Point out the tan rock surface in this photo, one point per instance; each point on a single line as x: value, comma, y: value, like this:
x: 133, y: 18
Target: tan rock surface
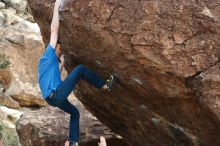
x: 5, y: 78
x: 8, y: 101
x: 28, y: 100
x: 22, y: 45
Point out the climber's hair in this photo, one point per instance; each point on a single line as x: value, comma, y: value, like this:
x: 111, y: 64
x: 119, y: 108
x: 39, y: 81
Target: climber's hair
x: 59, y: 42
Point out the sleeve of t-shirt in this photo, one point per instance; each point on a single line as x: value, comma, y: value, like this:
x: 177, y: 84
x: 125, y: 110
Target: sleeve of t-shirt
x: 50, y: 54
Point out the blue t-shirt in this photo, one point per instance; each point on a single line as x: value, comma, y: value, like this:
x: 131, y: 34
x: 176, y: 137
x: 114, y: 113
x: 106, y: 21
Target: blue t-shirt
x: 48, y: 72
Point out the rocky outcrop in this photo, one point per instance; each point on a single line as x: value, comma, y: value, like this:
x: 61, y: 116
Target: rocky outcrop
x: 24, y: 51
x: 20, y: 5
x: 20, y: 48
x: 9, y: 116
x: 28, y: 100
x: 165, y: 55
x: 5, y: 75
x: 49, y: 126
x: 8, y: 101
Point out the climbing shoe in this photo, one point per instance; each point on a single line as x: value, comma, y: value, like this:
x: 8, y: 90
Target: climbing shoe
x: 109, y: 82
x: 72, y: 143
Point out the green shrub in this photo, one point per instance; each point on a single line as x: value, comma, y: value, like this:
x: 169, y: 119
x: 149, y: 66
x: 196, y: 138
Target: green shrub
x: 4, y: 62
x: 8, y: 135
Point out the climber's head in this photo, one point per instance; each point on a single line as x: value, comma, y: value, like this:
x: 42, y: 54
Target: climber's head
x: 58, y: 49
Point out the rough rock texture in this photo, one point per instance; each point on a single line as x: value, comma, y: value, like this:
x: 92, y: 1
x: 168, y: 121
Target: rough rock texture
x: 5, y: 78
x: 20, y: 5
x: 8, y: 101
x: 165, y: 55
x: 21, y: 46
x: 9, y: 116
x: 16, y: 99
x: 29, y: 100
x: 207, y: 85
x: 49, y: 127
x: 23, y: 50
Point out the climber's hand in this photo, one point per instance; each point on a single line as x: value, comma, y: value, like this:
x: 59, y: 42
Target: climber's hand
x: 61, y: 65
x: 102, y: 141
x: 58, y: 2
x: 62, y: 59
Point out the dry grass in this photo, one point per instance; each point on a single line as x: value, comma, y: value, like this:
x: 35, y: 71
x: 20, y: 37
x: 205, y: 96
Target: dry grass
x: 8, y: 135
x: 4, y: 62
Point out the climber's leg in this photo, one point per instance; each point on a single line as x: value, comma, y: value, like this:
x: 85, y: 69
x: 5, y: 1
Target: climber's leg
x: 74, y: 120
x: 80, y: 72
x: 93, y: 78
x: 67, y: 86
x: 84, y: 73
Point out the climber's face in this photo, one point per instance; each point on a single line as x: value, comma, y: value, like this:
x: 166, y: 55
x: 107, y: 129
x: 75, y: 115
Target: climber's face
x: 58, y: 50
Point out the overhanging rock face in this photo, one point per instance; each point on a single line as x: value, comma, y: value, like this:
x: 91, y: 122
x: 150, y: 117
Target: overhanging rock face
x: 165, y: 55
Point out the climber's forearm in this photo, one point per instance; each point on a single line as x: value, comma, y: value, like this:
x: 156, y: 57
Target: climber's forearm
x: 55, y: 24
x: 55, y: 21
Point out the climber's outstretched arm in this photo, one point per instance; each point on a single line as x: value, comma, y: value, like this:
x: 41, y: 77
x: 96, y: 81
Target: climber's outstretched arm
x: 55, y: 24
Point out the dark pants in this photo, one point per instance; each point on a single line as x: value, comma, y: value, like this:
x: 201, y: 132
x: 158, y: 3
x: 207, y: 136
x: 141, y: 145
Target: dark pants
x: 62, y: 92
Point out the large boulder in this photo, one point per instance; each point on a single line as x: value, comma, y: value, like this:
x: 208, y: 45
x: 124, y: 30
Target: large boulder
x: 164, y: 54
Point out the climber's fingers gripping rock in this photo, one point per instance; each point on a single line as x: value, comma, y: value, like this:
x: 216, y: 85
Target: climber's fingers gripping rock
x: 102, y: 141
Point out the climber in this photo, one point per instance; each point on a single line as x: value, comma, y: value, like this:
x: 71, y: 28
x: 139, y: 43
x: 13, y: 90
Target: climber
x: 55, y: 91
